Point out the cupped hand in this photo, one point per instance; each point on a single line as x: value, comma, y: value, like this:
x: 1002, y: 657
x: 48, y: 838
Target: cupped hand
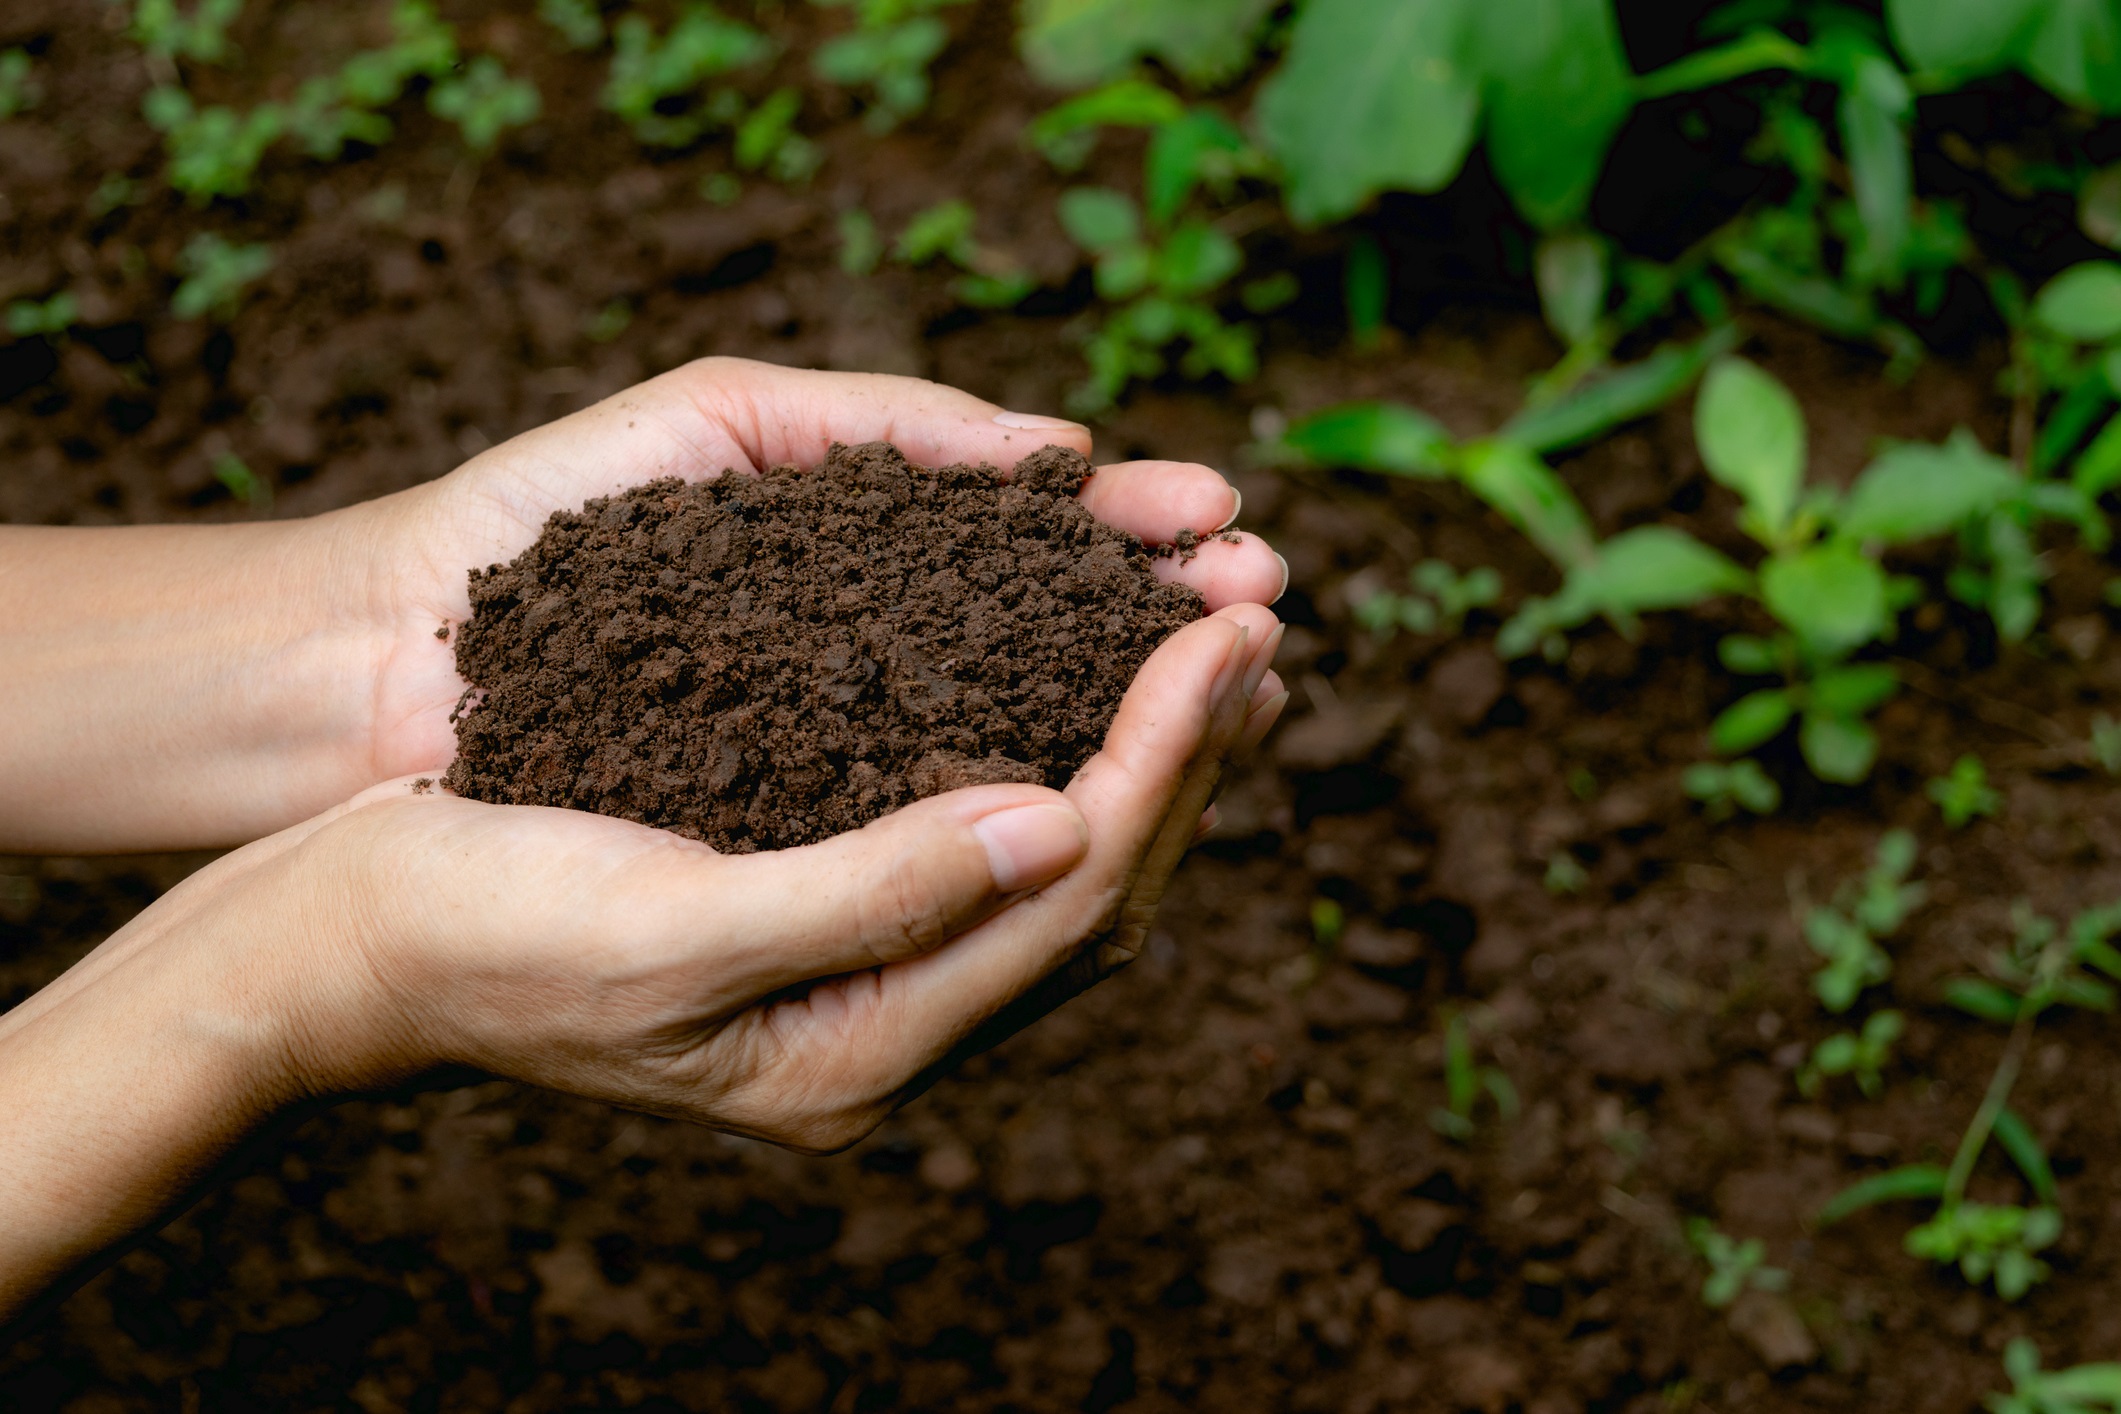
x: 693, y: 423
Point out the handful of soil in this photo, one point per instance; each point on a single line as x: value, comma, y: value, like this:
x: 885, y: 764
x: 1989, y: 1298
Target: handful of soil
x: 764, y: 661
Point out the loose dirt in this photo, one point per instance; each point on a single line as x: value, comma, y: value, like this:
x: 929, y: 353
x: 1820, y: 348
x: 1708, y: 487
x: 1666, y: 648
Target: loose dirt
x: 760, y: 662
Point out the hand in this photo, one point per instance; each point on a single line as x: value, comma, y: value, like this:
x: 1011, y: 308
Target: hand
x: 693, y: 423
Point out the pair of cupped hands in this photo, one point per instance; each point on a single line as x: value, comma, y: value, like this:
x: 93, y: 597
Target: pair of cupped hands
x: 793, y: 996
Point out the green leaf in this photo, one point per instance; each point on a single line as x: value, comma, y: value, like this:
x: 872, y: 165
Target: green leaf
x: 1571, y: 271
x: 1072, y: 43
x: 1967, y: 37
x: 1751, y: 53
x: 1617, y: 398
x: 1525, y: 491
x: 1977, y: 997
x: 1196, y: 259
x: 2017, y: 1140
x: 1853, y: 690
x: 2083, y: 303
x: 2076, y: 52
x: 1367, y: 289
x: 1177, y: 158
x: 1838, y: 749
x: 1124, y: 272
x: 1559, y: 87
x: 1830, y: 596
x: 1126, y: 103
x: 1752, y: 439
x: 1099, y: 219
x: 1381, y: 437
x: 1751, y: 720
x: 1873, y: 115
x: 1747, y: 653
x: 1914, y: 491
x: 1374, y: 94
x: 1908, y: 1181
x: 1654, y: 567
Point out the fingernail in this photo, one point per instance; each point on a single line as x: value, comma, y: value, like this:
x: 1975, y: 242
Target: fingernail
x: 1033, y: 422
x: 1031, y: 844
x: 1232, y: 675
x: 1237, y: 506
x: 1262, y: 721
x: 1256, y: 673
x: 1284, y: 581
x: 1209, y: 819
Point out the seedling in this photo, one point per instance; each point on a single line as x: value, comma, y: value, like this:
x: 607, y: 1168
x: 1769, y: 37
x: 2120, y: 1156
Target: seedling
x: 1328, y: 921
x: 1465, y: 1081
x: 1989, y: 1241
x: 1724, y: 788
x: 991, y: 279
x: 19, y: 89
x: 2044, y: 966
x: 578, y: 22
x: 1846, y: 933
x: 1863, y: 1055
x: 215, y: 151
x: 1735, y: 1267
x: 484, y: 102
x: 243, y: 483
x: 216, y: 274
x: 2106, y: 743
x: 1564, y: 874
x: 610, y: 321
x: 2081, y: 1389
x: 164, y: 30
x: 861, y: 246
x: 1964, y: 795
x: 767, y: 139
x: 47, y: 319
x: 653, y: 79
x: 889, y: 51
x: 1439, y: 603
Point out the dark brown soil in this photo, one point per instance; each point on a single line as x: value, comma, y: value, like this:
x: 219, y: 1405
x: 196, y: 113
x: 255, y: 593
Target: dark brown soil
x: 761, y: 662
x: 1210, y: 1184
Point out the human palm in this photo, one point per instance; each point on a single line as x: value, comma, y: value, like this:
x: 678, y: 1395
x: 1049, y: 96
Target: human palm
x: 692, y: 423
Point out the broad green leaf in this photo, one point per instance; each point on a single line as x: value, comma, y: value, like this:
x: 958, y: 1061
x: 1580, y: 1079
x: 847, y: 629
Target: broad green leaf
x: 1745, y: 653
x: 1894, y: 1185
x: 1619, y: 397
x: 1381, y: 437
x: 1525, y: 491
x: 1853, y: 690
x: 2016, y: 1139
x: 1873, y: 114
x: 1071, y: 43
x: 1196, y: 259
x: 1373, y: 94
x: 1914, y: 491
x: 1830, y: 596
x: 1838, y: 749
x: 1655, y: 567
x: 1559, y: 87
x: 1752, y: 439
x: 1978, y: 997
x: 1099, y: 219
x: 2076, y: 52
x: 1570, y: 268
x: 1124, y: 103
x: 1124, y: 272
x: 1175, y: 163
x: 1751, y: 720
x: 2082, y: 303
x: 1966, y: 37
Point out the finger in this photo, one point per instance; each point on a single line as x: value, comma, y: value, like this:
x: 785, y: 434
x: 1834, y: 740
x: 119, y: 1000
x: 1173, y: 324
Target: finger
x: 895, y: 889
x: 1154, y: 500
x: 1266, y: 710
x: 1209, y: 819
x: 1227, y: 572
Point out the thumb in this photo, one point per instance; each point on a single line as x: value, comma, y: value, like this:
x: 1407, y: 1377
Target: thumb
x: 898, y: 888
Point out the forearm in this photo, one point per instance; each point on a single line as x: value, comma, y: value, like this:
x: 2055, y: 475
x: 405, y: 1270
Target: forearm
x: 172, y: 686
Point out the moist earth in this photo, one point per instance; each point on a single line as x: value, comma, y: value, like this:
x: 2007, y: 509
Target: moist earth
x: 764, y: 661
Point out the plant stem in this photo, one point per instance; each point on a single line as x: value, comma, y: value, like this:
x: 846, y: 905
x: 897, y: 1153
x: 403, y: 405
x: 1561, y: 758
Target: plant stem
x: 1984, y: 1122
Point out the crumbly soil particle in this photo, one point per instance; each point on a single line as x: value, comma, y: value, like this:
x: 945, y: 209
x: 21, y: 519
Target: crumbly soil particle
x: 765, y: 661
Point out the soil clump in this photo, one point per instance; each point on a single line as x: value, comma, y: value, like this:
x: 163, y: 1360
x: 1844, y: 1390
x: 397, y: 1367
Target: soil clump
x: 765, y: 661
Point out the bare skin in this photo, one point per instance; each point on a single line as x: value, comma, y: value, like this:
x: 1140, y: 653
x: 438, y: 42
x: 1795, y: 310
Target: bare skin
x: 283, y: 684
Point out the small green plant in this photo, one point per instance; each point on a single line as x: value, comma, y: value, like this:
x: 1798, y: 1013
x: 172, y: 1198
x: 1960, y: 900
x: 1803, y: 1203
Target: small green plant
x: 767, y: 140
x: 2044, y: 966
x: 1863, y: 1055
x: 243, y: 483
x: 2081, y: 1389
x: 610, y: 321
x: 213, y: 151
x: 1465, y: 1081
x: 47, y: 319
x: 164, y: 30
x: 889, y: 51
x: 579, y: 23
x: 2106, y: 743
x: 1564, y: 874
x: 19, y: 89
x: 653, y: 79
x: 861, y: 244
x: 216, y: 273
x: 1328, y: 922
x: 1735, y: 1267
x: 991, y: 280
x: 1990, y: 1242
x: 1439, y: 603
x: 1723, y: 788
x: 1846, y: 933
x: 484, y: 102
x: 1964, y: 795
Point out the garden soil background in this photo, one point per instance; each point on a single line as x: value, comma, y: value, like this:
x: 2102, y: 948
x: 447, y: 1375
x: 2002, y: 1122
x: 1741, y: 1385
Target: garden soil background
x: 1210, y: 1184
